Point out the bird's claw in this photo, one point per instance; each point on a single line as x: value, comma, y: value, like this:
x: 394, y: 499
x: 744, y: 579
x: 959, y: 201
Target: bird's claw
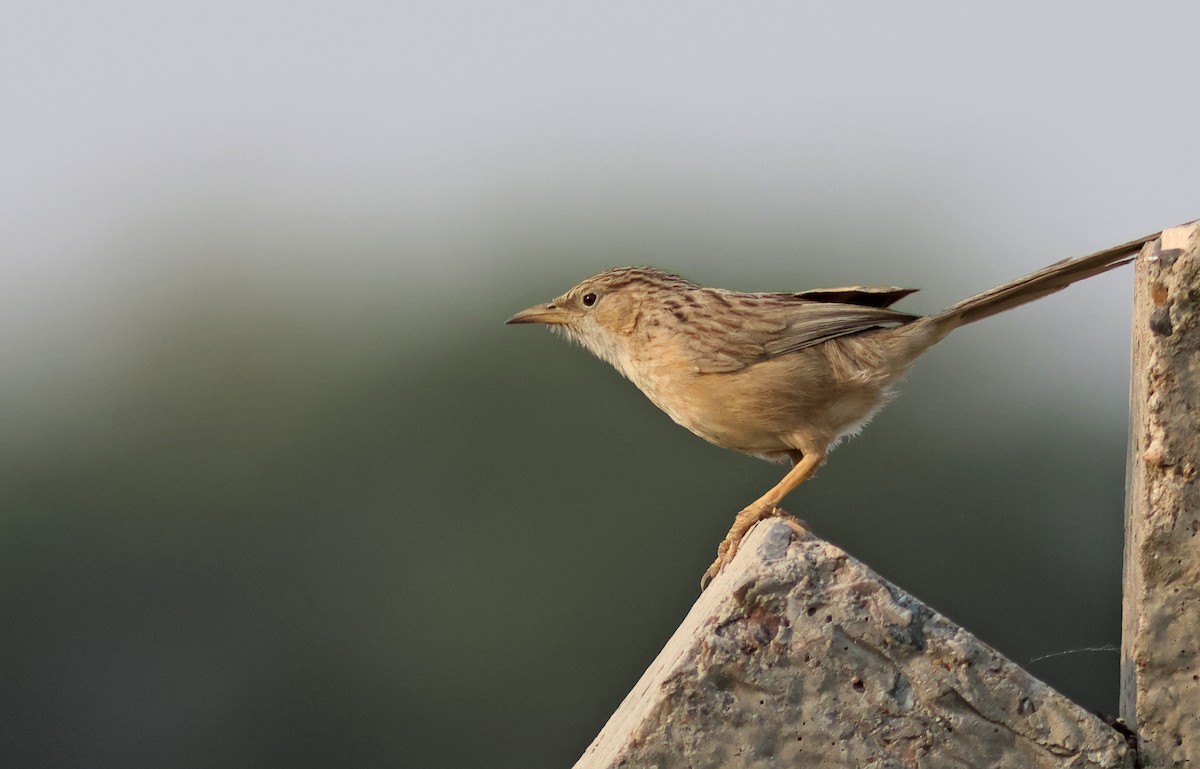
x: 729, y: 546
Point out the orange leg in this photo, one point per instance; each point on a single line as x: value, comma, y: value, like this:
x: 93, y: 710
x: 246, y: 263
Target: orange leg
x: 766, y: 506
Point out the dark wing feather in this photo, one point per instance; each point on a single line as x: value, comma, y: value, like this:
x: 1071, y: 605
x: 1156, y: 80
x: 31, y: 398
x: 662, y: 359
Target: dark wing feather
x: 864, y: 296
x: 732, y: 331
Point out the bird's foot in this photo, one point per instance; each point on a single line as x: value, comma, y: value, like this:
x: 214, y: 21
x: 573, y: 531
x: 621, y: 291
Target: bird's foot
x: 742, y: 524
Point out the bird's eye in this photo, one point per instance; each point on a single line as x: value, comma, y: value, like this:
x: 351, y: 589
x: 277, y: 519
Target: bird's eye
x: 589, y: 300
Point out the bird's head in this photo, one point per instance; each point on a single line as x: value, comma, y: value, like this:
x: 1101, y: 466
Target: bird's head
x: 603, y: 311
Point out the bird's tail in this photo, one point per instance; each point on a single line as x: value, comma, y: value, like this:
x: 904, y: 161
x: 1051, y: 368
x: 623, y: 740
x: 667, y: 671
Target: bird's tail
x: 1034, y: 286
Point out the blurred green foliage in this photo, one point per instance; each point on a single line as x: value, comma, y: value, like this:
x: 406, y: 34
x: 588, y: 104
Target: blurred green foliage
x: 299, y: 530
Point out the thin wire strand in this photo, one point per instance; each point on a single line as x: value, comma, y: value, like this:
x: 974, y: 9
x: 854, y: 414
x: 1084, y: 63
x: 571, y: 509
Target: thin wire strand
x: 1105, y: 648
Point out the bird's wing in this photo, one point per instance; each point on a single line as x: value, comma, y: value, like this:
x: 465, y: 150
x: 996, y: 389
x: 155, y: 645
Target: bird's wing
x: 814, y: 322
x: 753, y: 327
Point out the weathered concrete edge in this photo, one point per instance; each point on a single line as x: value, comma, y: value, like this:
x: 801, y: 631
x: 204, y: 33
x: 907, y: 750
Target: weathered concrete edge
x: 1160, y: 644
x: 952, y: 667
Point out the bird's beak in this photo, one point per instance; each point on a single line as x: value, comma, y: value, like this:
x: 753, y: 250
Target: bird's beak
x: 542, y: 313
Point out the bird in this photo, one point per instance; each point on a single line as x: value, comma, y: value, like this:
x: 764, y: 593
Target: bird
x: 781, y: 376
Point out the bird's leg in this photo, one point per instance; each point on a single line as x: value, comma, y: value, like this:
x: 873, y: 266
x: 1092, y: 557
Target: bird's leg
x: 766, y: 506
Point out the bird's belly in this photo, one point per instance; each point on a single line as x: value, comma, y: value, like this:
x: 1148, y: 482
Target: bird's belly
x: 722, y: 428
x: 766, y: 410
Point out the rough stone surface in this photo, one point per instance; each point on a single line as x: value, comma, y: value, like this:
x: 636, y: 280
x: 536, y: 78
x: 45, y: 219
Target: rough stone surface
x: 1160, y: 669
x: 800, y: 656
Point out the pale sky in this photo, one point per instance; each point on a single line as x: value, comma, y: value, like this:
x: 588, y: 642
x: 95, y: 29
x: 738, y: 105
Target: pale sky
x: 1029, y: 132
